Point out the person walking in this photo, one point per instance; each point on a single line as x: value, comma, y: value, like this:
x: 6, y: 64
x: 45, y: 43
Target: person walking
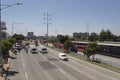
x: 26, y: 50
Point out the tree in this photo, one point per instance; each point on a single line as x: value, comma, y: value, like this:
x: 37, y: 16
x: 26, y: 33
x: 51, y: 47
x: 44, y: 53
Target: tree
x: 108, y: 35
x: 91, y: 49
x: 67, y: 45
x: 93, y: 36
x: 18, y: 37
x: 102, y: 35
x: 12, y: 40
x: 6, y: 45
x: 62, y: 38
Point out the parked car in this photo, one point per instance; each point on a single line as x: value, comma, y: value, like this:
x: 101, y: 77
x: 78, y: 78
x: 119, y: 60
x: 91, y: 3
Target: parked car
x: 63, y: 56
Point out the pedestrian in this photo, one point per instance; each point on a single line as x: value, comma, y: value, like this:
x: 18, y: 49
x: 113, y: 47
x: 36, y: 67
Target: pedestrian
x: 26, y: 50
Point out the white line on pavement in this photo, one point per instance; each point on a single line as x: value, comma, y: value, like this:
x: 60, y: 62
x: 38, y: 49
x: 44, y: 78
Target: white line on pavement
x: 26, y: 75
x: 62, y: 71
x: 23, y: 65
x: 90, y: 76
x: 50, y: 78
x: 94, y: 71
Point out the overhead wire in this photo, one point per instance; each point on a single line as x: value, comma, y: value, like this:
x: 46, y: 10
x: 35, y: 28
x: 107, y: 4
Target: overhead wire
x: 63, y: 6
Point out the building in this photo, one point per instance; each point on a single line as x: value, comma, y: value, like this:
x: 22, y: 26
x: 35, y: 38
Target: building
x: 30, y: 34
x: 3, y: 28
x: 106, y: 48
x: 80, y: 35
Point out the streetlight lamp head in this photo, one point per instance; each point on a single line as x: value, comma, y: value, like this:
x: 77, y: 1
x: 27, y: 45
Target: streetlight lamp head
x: 19, y: 3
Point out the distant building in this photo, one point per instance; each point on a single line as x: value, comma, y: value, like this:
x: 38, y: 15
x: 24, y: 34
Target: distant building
x: 30, y: 34
x: 80, y: 35
x: 3, y: 28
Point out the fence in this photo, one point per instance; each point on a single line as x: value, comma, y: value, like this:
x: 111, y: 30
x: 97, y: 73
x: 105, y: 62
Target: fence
x: 113, y: 64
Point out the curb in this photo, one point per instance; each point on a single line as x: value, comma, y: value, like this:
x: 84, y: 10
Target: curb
x: 8, y: 65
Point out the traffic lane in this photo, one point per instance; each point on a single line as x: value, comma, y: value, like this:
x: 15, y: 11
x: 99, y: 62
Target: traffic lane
x: 91, y: 69
x: 71, y: 70
x: 53, y: 70
x: 33, y: 68
x: 94, y: 68
x: 16, y: 71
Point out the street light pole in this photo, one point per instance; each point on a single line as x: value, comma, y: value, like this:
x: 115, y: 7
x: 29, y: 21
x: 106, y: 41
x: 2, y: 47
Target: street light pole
x: 1, y: 56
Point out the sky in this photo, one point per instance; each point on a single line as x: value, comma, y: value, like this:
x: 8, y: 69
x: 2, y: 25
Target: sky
x: 65, y: 16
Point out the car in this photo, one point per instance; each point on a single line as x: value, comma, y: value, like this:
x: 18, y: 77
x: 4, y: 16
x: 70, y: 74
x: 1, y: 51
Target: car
x: 33, y: 49
x: 63, y: 56
x: 42, y: 49
x: 18, y: 47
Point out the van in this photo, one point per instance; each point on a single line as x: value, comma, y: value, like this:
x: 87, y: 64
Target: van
x: 33, y: 49
x: 42, y: 49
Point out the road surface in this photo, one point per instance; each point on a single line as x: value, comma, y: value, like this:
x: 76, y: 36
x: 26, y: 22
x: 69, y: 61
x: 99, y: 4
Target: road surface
x: 48, y: 67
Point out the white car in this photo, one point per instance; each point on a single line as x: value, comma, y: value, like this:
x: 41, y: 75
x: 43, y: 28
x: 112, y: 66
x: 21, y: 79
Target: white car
x: 33, y: 49
x: 63, y: 56
x: 42, y: 49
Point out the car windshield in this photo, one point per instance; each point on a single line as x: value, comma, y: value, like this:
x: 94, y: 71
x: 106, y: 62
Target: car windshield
x: 63, y: 55
x: 44, y: 49
x: 33, y: 49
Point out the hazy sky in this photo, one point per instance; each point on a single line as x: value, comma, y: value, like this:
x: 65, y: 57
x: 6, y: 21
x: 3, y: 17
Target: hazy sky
x: 67, y: 16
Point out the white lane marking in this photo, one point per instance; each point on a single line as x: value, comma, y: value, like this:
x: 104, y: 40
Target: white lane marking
x: 95, y: 65
x: 22, y: 59
x: 48, y: 76
x: 62, y: 71
x: 23, y: 65
x: 90, y: 76
x: 91, y: 69
x: 26, y: 74
x: 94, y: 71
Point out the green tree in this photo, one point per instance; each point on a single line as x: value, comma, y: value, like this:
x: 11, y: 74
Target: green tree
x: 62, y: 38
x: 91, y: 50
x: 18, y: 37
x: 102, y: 35
x: 108, y: 35
x: 12, y: 40
x: 93, y: 37
x: 6, y: 45
x: 67, y: 45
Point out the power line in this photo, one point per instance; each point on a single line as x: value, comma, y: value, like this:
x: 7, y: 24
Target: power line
x: 74, y: 7
x: 65, y: 5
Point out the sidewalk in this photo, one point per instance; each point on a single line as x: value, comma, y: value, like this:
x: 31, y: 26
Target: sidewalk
x: 6, y: 66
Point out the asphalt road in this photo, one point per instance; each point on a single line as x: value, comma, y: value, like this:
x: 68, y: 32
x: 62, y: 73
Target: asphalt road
x: 48, y: 67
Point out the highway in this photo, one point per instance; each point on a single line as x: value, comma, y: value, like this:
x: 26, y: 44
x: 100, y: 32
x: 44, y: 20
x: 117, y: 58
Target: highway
x: 48, y: 67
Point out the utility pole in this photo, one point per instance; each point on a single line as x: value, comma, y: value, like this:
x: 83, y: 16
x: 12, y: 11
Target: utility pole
x: 1, y: 57
x: 47, y: 24
x: 88, y: 31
